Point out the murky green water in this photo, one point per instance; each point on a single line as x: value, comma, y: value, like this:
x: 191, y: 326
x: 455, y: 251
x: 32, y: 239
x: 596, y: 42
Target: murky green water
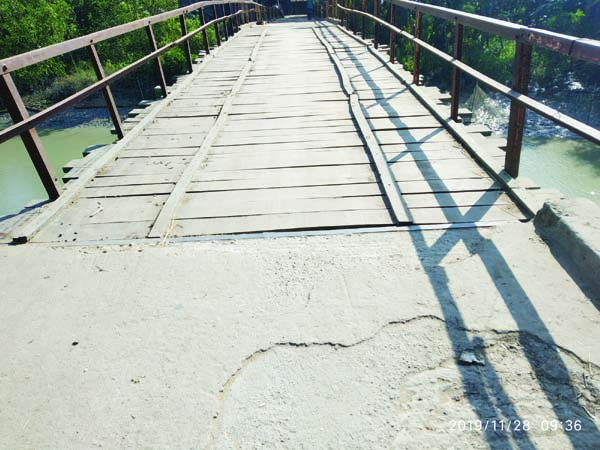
x: 19, y: 183
x: 570, y: 165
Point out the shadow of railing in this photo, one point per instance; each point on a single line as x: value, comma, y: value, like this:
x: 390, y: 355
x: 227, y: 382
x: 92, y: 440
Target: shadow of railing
x: 483, y: 388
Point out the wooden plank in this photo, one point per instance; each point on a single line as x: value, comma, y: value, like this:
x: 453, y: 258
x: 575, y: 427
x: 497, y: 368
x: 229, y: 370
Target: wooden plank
x: 296, y: 176
x: 194, y: 206
x: 287, y: 159
x: 167, y: 141
x: 454, y: 199
x: 449, y: 185
x: 93, y: 232
x: 145, y: 166
x: 468, y: 214
x: 403, y: 123
x: 277, y: 133
x: 319, y: 139
x: 442, y: 169
x: 413, y: 135
x: 128, y: 190
x: 280, y: 222
x: 133, y: 180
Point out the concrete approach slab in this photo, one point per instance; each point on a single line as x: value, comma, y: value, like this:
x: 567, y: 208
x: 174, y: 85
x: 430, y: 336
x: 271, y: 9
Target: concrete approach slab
x: 465, y: 339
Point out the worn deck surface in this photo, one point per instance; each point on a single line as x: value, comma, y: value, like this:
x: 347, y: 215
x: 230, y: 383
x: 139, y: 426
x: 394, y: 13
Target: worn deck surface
x: 261, y: 137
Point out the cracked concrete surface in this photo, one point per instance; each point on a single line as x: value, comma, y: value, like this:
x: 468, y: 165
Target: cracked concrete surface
x: 317, y: 342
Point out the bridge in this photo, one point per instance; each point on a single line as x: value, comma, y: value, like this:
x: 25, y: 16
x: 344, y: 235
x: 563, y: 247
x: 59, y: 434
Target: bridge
x: 290, y: 126
x: 420, y: 249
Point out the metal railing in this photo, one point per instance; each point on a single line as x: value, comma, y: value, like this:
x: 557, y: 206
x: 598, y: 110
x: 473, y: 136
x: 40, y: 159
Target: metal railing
x: 525, y: 38
x: 237, y: 12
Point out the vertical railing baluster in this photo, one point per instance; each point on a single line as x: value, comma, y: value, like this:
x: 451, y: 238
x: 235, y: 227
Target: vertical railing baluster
x: 16, y: 108
x: 458, y: 47
x: 376, y: 25
x: 392, y: 34
x: 355, y: 17
x: 186, y: 44
x: 204, y: 34
x: 106, y: 92
x: 159, y: 69
x: 417, y: 54
x: 363, y: 29
x: 214, y: 10
x: 518, y: 113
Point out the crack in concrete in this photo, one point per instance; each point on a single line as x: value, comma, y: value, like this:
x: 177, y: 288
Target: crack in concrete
x: 216, y: 426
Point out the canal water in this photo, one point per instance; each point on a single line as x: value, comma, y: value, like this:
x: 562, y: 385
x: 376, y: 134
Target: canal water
x: 64, y: 140
x: 551, y: 157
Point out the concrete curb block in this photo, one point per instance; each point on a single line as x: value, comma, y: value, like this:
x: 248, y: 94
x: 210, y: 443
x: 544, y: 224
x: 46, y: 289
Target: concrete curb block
x: 572, y: 228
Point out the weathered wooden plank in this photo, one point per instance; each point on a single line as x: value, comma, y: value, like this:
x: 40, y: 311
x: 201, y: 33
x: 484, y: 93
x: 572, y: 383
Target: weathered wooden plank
x: 133, y: 180
x: 300, y: 123
x: 194, y: 206
x: 167, y: 141
x: 280, y: 222
x: 295, y: 176
x: 145, y: 166
x: 439, y: 169
x: 287, y: 159
x: 319, y: 139
x: 277, y: 133
x: 467, y: 214
x: 70, y: 233
x: 403, y: 123
x: 414, y: 135
x: 448, y: 185
x: 128, y: 190
x: 454, y: 199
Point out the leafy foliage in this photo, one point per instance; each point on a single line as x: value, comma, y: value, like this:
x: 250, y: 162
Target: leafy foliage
x: 26, y: 25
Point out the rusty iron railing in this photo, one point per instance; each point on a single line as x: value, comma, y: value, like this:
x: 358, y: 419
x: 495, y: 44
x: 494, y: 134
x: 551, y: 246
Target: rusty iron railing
x: 525, y: 38
x: 240, y: 11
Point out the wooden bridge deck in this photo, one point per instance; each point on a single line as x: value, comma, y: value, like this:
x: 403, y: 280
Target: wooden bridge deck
x: 263, y: 137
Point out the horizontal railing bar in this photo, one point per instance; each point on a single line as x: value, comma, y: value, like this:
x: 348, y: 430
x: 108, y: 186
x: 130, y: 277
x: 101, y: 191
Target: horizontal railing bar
x: 584, y: 49
x: 40, y: 117
x: 16, y: 62
x: 565, y: 121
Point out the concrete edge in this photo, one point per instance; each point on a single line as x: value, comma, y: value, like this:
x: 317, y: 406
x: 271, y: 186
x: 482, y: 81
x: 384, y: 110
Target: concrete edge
x: 571, y: 228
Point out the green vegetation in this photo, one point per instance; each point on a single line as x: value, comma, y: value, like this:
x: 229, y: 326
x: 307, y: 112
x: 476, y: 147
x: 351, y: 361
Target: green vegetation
x: 493, y: 55
x: 27, y: 25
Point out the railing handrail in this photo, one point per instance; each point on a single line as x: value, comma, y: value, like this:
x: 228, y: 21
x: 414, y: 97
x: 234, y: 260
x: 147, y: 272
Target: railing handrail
x: 576, y: 47
x: 22, y: 60
x: 518, y: 92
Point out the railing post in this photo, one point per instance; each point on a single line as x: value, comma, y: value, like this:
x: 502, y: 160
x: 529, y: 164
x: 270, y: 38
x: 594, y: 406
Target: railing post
x: 417, y: 55
x: 31, y: 140
x: 186, y: 44
x: 224, y: 23
x: 204, y: 35
x: 458, y: 46
x: 518, y: 113
x: 363, y: 29
x: 392, y: 34
x: 376, y: 25
x: 153, y: 48
x: 235, y: 22
x: 228, y: 23
x: 106, y: 92
x: 214, y: 9
x: 354, y: 17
